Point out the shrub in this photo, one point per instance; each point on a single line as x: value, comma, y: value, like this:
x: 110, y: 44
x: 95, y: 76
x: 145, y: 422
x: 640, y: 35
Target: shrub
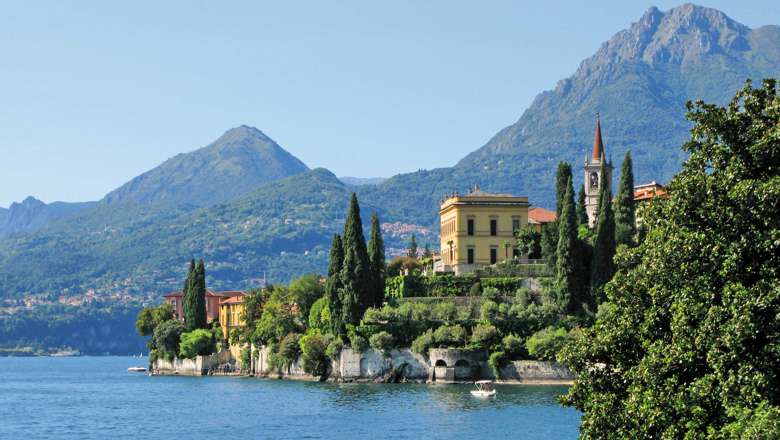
x: 245, y: 359
x: 199, y: 342
x: 334, y: 348
x: 449, y: 336
x: 445, y: 311
x: 358, y: 343
x: 490, y: 293
x: 167, y: 337
x: 545, y: 344
x: 289, y: 349
x: 424, y: 342
x: 496, y: 361
x: 313, y: 354
x: 382, y: 341
x: 483, y: 337
x: 488, y: 312
x: 513, y: 345
x: 319, y: 315
x: 523, y: 297
x: 476, y: 289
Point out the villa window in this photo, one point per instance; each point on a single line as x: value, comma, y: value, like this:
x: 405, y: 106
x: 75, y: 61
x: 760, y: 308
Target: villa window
x: 471, y: 256
x: 493, y: 255
x: 493, y: 227
x: 515, y: 225
x: 470, y: 226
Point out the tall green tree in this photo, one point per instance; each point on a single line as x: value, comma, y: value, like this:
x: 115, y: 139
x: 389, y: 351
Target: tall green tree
x: 568, y: 279
x: 188, y: 297
x: 625, y: 213
x: 603, y: 266
x: 333, y: 286
x: 548, y: 243
x: 582, y: 213
x: 687, y: 346
x: 562, y: 177
x: 376, y: 255
x: 199, y: 294
x: 356, y: 273
x: 412, y: 251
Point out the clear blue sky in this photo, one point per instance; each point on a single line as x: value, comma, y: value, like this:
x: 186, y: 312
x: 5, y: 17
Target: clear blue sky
x: 92, y: 94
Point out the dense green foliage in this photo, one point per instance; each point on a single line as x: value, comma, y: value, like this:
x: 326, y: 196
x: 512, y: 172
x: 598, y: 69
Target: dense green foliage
x: 376, y: 255
x: 563, y: 180
x: 199, y: 342
x: 569, y: 286
x: 150, y: 317
x: 582, y: 212
x: 167, y: 337
x: 625, y: 213
x: 333, y: 286
x: 604, y: 246
x: 314, y: 358
x: 687, y: 346
x: 545, y: 344
x: 442, y: 285
x: 356, y: 271
x: 529, y: 241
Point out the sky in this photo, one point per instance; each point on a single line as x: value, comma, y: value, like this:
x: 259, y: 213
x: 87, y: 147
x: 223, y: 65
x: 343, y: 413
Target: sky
x: 94, y: 93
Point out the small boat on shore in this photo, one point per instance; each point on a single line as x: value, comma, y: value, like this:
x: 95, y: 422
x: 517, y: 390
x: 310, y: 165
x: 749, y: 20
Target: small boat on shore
x: 483, y: 388
x: 136, y: 369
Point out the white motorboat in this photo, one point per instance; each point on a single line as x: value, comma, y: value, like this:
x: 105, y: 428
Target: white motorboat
x: 483, y: 388
x: 136, y: 369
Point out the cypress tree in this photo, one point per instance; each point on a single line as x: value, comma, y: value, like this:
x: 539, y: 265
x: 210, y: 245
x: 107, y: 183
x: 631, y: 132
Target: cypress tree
x: 625, y: 215
x: 188, y: 297
x: 333, y: 285
x: 604, y: 245
x: 199, y: 289
x: 562, y: 178
x: 356, y: 272
x: 582, y: 213
x: 568, y: 282
x: 548, y: 242
x: 412, y: 251
x: 376, y: 255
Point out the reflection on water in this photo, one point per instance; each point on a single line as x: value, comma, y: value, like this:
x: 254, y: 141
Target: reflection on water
x: 49, y: 398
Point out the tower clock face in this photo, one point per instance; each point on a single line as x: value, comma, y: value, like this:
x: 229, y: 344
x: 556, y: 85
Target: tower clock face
x: 594, y: 180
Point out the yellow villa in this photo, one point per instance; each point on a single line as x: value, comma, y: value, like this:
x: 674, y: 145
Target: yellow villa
x: 478, y: 229
x: 231, y: 312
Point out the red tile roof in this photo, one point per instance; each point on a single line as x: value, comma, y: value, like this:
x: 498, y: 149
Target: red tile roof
x: 209, y: 292
x: 649, y: 191
x: 538, y: 215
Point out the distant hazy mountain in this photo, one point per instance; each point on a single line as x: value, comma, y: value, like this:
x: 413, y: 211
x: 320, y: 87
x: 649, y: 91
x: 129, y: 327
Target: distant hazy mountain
x: 358, y: 181
x: 638, y: 81
x: 32, y: 214
x: 241, y: 160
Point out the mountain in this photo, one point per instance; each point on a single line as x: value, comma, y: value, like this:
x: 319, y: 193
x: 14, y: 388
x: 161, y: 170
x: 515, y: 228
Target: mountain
x: 32, y: 214
x: 224, y: 203
x: 358, y: 181
x: 239, y: 161
x: 638, y: 82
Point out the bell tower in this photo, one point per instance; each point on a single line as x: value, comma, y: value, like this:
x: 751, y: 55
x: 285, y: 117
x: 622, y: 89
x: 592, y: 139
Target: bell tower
x: 592, y: 178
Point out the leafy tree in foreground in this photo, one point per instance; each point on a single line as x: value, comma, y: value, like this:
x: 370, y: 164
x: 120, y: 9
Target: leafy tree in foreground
x: 604, y: 247
x: 625, y: 215
x: 529, y: 241
x: 687, y: 346
x: 376, y: 255
x: 150, y: 317
x: 167, y: 336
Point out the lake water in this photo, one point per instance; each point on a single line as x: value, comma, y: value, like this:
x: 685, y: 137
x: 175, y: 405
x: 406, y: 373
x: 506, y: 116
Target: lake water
x: 96, y: 398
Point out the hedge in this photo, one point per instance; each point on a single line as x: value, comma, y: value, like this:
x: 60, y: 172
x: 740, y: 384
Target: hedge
x: 410, y: 286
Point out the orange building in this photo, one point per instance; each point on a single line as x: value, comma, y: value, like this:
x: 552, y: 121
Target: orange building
x: 213, y: 300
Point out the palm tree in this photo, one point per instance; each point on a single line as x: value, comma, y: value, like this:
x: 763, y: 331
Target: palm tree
x: 506, y: 245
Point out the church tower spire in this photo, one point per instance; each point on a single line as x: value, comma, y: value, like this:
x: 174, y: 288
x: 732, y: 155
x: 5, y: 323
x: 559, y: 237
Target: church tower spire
x: 592, y: 174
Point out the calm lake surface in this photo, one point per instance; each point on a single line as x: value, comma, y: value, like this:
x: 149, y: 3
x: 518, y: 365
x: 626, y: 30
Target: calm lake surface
x: 96, y: 398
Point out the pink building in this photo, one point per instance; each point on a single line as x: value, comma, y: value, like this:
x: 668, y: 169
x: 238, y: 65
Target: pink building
x: 212, y: 302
